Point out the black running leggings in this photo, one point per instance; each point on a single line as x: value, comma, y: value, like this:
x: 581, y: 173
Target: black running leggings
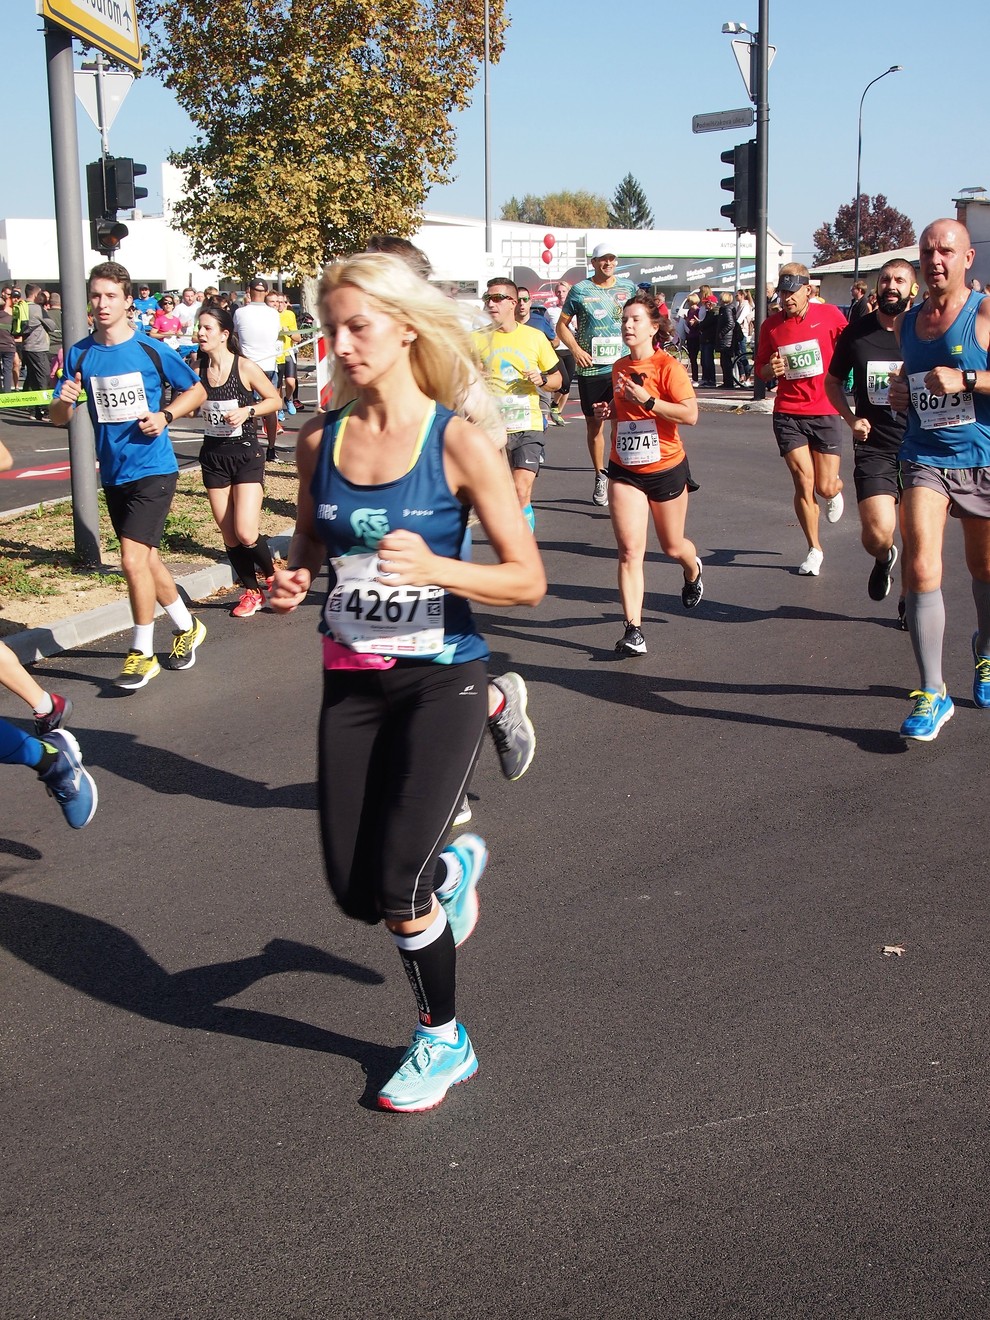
x: 397, y: 747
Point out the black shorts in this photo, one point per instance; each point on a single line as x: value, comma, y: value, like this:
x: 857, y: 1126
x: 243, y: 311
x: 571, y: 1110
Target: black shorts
x: 232, y: 464
x: 525, y: 450
x: 286, y: 370
x: 594, y: 389
x: 658, y: 487
x: 875, y: 472
x: 822, y: 433
x: 396, y: 751
x: 138, y: 509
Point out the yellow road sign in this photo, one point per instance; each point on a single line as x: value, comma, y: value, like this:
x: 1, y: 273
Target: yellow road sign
x: 109, y: 25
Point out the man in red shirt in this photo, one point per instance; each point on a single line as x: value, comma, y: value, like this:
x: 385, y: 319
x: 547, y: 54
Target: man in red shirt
x: 795, y: 349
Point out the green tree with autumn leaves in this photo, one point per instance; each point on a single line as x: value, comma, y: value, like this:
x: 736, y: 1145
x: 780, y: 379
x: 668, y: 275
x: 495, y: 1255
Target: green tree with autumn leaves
x: 318, y: 122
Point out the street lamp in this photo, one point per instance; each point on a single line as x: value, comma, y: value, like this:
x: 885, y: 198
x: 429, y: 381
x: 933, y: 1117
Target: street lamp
x: 894, y: 68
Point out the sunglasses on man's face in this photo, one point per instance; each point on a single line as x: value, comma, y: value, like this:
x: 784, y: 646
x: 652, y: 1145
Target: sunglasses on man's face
x: 498, y: 297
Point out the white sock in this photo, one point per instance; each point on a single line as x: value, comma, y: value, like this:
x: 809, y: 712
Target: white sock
x: 445, y: 1031
x: 454, y: 873
x: 144, y: 638
x: 45, y: 706
x: 179, y: 614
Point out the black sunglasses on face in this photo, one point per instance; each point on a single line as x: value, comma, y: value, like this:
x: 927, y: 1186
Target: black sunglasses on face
x: 497, y: 297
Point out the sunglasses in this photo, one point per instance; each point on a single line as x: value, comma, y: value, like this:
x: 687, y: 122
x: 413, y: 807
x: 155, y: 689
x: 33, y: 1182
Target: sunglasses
x: 498, y: 297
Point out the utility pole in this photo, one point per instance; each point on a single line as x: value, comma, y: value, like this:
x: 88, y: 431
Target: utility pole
x: 762, y: 176
x: 72, y: 276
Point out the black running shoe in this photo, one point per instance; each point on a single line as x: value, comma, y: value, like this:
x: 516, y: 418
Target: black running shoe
x: 879, y: 583
x: 633, y: 642
x: 692, y: 592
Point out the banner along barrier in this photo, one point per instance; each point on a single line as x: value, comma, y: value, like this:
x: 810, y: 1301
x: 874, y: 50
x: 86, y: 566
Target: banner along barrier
x: 26, y: 399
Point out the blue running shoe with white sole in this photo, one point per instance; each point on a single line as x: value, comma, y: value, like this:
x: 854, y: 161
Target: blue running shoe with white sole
x: 981, y: 679
x: 931, y: 711
x: 429, y: 1068
x: 461, y: 903
x: 68, y: 782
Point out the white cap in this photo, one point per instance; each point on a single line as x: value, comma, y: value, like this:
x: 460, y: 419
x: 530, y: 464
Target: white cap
x: 603, y: 250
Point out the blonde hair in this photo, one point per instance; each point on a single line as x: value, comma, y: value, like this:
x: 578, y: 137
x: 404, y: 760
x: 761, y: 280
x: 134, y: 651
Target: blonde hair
x: 442, y: 357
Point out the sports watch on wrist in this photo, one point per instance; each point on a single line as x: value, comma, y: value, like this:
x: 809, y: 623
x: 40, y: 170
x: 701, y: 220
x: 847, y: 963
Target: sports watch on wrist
x: 168, y: 416
x: 969, y: 381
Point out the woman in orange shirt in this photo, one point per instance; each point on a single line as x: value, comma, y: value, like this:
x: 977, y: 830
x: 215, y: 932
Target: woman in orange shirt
x: 648, y: 469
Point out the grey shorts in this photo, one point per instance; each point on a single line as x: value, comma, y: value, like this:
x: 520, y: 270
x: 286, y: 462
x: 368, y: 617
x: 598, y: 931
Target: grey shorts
x: 525, y: 450
x: 823, y: 433
x: 966, y: 489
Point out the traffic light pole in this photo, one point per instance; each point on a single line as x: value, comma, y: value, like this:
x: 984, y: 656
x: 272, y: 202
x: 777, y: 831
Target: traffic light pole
x: 72, y: 276
x: 762, y: 173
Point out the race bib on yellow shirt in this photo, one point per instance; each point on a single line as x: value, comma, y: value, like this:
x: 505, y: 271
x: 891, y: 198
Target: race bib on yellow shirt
x: 938, y: 410
x: 119, y: 398
x: 373, y: 618
x: 637, y: 443
x: 516, y: 410
x: 803, y: 360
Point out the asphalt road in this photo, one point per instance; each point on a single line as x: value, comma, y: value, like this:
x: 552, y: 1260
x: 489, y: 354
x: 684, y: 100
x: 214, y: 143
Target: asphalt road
x: 704, y: 1090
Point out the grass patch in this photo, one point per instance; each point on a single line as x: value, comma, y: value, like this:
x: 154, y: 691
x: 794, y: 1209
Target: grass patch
x: 37, y: 549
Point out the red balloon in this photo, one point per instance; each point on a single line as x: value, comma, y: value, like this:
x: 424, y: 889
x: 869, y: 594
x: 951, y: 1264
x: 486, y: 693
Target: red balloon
x: 548, y: 257
x: 548, y: 240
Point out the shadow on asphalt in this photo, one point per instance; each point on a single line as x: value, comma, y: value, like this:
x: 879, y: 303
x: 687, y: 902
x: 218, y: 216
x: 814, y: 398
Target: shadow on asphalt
x: 671, y: 696
x: 165, y: 771
x: 109, y: 965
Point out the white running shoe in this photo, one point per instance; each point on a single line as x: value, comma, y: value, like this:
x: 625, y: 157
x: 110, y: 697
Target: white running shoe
x: 812, y: 565
x: 834, y: 507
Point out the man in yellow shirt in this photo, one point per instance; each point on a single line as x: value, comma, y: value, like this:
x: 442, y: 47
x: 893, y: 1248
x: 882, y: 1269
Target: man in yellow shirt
x: 519, y: 362
x: 286, y: 364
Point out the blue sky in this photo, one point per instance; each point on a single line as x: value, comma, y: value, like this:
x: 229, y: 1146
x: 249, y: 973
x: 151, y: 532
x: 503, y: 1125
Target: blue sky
x: 587, y: 92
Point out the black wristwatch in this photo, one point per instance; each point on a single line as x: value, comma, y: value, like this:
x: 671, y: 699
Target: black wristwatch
x: 648, y: 403
x: 969, y: 381
x: 543, y: 377
x: 168, y: 417
x: 250, y: 412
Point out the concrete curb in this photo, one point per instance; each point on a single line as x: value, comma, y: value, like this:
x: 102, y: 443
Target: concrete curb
x: 81, y: 629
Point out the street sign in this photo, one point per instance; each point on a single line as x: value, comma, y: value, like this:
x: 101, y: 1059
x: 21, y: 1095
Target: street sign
x: 115, y: 88
x: 109, y: 25
x: 720, y: 119
x: 745, y: 53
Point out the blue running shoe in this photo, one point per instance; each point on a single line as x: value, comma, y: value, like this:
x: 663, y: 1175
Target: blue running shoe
x: 461, y: 904
x: 429, y: 1068
x: 931, y: 710
x: 281, y: 414
x: 67, y: 782
x: 290, y: 407
x: 981, y: 679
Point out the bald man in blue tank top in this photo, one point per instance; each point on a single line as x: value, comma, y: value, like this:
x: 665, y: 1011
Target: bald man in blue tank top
x: 944, y: 387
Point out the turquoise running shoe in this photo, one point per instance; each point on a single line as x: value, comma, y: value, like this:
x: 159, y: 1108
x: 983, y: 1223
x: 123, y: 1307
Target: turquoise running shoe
x: 68, y: 781
x: 981, y: 679
x: 931, y: 711
x: 429, y: 1068
x: 461, y: 904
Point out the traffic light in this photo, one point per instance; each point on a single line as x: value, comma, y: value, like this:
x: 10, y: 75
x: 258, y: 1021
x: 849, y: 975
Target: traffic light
x: 108, y: 236
x: 124, y: 171
x: 742, y: 183
x: 96, y: 194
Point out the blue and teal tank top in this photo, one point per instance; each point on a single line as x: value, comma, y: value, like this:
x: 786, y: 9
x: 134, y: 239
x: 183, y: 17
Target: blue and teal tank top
x: 965, y: 443
x: 351, y: 520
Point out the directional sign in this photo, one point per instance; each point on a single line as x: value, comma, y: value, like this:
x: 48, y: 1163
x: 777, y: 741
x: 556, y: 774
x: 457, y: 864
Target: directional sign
x: 109, y: 25
x: 720, y: 119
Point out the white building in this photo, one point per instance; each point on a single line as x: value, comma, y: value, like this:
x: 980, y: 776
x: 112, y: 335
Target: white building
x: 673, y: 260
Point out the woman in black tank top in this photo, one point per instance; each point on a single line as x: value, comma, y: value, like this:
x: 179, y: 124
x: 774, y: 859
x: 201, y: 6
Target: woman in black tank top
x: 232, y: 461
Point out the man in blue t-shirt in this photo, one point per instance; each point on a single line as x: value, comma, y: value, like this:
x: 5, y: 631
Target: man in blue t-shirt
x: 124, y: 376
x: 145, y: 305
